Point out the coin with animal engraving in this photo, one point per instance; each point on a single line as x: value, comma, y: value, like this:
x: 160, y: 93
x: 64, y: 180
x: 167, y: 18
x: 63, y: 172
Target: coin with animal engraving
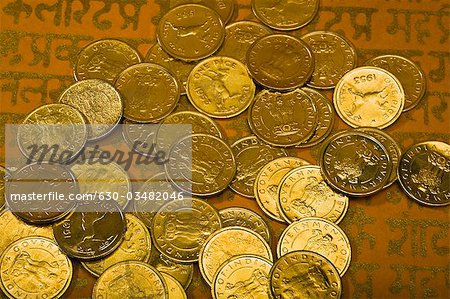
x: 333, y: 55
x: 94, y: 230
x: 267, y: 181
x: 237, y: 216
x: 182, y: 272
x: 320, y: 236
x: 227, y: 243
x: 180, y: 228
x: 4, y: 176
x: 130, y: 279
x: 224, y: 8
x: 104, y: 59
x: 220, y: 87
x: 242, y: 276
x: 424, y: 173
x: 190, y: 32
x: 140, y: 137
x: 201, y: 164
x: 239, y: 36
x: 150, y: 92
x: 99, y: 102
x: 251, y: 155
x: 174, y: 289
x: 280, y: 62
x: 355, y: 163
x: 410, y: 75
x: 283, y: 119
x: 369, y: 97
x: 304, y: 193
x: 52, y: 132
x: 34, y: 267
x: 305, y: 274
x: 136, y: 246
x: 285, y: 14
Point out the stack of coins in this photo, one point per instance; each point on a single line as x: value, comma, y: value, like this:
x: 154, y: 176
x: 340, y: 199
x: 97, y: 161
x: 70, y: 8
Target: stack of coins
x: 225, y: 71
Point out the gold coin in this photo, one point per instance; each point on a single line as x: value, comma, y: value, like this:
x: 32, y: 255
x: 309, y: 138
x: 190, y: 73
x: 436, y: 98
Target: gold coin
x: 325, y: 121
x: 333, y: 55
x: 174, y: 288
x: 304, y: 193
x: 179, y: 68
x: 424, y: 173
x: 130, y: 279
x: 136, y: 246
x: 220, y: 87
x: 267, y: 181
x: 369, y: 97
x: 190, y: 32
x: 180, y: 228
x: 182, y: 272
x: 320, y: 236
x: 224, y: 8
x: 237, y: 216
x: 305, y: 274
x: 18, y: 229
x: 4, y: 176
x: 355, y: 163
x: 150, y: 92
x: 104, y: 59
x: 280, y: 62
x: 139, y: 137
x: 98, y: 101
x: 244, y: 276
x: 34, y: 267
x: 285, y: 15
x: 408, y: 73
x: 227, y: 243
x: 207, y: 171
x: 251, y: 155
x: 239, y: 36
x: 50, y: 125
x: 283, y: 119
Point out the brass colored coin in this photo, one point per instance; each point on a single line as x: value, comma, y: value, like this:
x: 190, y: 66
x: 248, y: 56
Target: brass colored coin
x: 237, y: 216
x: 208, y: 171
x: 130, y: 279
x: 39, y: 179
x: 4, y: 176
x: 320, y: 236
x: 392, y: 147
x: 17, y: 229
x: 227, y: 243
x: 305, y: 274
x: 267, y: 181
x: 105, y: 59
x: 180, y: 228
x: 99, y: 102
x: 304, y: 193
x: 325, y: 120
x: 182, y: 272
x: 150, y: 92
x: 139, y: 137
x: 369, y: 97
x: 424, y: 173
x: 285, y: 15
x: 220, y: 87
x: 333, y: 55
x: 34, y: 267
x: 239, y: 36
x: 224, y: 8
x: 244, y: 276
x: 408, y: 73
x: 49, y: 125
x: 355, y: 163
x: 174, y: 288
x: 179, y: 68
x: 136, y: 246
x: 91, y: 235
x: 251, y: 155
x: 190, y: 32
x: 280, y: 62
x: 283, y: 119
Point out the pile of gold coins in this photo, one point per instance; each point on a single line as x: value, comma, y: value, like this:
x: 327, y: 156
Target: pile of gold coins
x: 243, y: 67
